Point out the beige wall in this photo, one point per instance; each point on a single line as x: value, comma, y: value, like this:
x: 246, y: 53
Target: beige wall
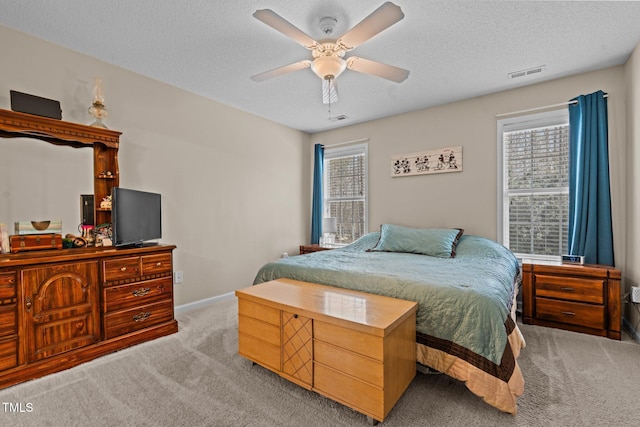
x: 632, y: 262
x: 234, y: 186
x: 468, y: 199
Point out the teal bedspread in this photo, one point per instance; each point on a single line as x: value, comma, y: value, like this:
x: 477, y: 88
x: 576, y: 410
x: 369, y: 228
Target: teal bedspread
x: 464, y: 300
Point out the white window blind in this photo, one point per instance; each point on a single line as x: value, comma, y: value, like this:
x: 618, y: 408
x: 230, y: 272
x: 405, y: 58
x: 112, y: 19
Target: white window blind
x: 345, y: 190
x: 535, y: 184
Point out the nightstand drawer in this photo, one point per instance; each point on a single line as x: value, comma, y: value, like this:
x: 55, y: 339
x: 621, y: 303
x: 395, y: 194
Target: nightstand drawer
x: 574, y: 313
x: 570, y: 288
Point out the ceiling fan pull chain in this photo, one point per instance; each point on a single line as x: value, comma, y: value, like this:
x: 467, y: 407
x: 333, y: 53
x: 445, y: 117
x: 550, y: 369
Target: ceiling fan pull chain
x: 330, y: 80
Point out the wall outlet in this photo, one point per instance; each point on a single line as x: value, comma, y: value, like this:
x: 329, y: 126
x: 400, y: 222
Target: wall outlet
x: 177, y: 277
x: 635, y: 294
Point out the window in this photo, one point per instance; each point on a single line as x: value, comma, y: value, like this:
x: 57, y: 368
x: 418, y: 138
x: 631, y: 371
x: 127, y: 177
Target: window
x: 345, y: 190
x: 534, y: 184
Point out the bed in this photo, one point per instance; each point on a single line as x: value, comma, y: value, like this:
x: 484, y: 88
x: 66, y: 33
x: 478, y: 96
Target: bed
x: 466, y: 299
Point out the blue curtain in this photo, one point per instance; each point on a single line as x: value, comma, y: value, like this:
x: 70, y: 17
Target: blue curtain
x: 316, y: 209
x: 590, y: 227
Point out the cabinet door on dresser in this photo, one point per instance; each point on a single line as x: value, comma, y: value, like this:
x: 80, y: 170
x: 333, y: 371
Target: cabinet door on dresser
x: 61, y: 308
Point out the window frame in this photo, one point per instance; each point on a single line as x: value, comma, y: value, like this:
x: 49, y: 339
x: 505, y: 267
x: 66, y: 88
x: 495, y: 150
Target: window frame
x: 346, y: 151
x: 518, y: 123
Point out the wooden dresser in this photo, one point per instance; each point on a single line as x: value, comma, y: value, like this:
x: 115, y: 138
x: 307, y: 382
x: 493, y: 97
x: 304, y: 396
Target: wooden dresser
x: 61, y: 308
x: 355, y: 348
x: 580, y: 298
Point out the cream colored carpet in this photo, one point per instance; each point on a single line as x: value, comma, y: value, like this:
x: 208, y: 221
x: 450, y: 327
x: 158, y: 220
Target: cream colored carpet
x: 195, y: 378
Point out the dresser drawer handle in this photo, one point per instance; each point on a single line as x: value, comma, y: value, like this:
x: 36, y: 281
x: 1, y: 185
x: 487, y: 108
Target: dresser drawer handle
x: 568, y: 313
x: 158, y: 264
x: 141, y: 292
x: 123, y: 269
x: 142, y: 316
x: 567, y: 289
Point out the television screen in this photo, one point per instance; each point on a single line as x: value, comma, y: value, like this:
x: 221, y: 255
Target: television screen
x: 136, y: 217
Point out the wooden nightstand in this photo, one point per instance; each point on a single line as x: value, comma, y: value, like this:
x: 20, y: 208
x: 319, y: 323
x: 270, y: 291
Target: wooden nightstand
x: 307, y: 249
x: 579, y: 298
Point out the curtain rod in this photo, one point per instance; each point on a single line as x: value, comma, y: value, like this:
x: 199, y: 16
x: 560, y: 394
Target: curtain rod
x: 562, y: 104
x: 346, y: 142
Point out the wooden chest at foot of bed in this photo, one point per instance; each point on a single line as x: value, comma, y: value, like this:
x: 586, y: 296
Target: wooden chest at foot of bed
x: 35, y: 242
x: 355, y: 348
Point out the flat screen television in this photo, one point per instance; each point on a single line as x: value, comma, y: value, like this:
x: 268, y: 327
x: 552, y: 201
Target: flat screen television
x: 136, y: 217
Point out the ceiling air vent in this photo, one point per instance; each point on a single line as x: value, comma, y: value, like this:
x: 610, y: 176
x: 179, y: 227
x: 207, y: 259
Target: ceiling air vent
x: 338, y: 118
x: 525, y: 73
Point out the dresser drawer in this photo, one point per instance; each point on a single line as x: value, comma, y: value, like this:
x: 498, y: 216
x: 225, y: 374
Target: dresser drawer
x: 8, y: 320
x: 570, y: 288
x: 351, y: 391
x: 156, y: 264
x: 348, y: 339
x: 259, y: 311
x: 259, y: 329
x: 574, y: 313
x: 8, y: 353
x: 137, y: 294
x: 121, y: 269
x: 353, y: 364
x: 257, y: 350
x: 130, y: 320
x: 7, y: 285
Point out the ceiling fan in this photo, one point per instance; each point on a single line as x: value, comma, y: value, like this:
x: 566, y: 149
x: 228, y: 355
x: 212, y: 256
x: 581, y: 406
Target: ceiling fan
x: 328, y: 54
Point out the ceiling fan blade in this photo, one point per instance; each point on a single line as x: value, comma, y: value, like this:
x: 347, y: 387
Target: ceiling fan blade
x: 329, y: 91
x: 379, y: 69
x: 280, y: 24
x: 281, y: 70
x: 378, y: 21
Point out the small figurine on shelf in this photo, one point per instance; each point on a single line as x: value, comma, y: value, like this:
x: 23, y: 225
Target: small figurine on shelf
x: 97, y: 109
x: 106, y: 203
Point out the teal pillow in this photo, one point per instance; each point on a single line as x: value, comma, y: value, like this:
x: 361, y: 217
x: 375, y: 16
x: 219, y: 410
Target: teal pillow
x: 435, y: 242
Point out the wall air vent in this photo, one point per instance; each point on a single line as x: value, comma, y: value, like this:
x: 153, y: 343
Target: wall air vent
x: 338, y: 118
x: 524, y: 73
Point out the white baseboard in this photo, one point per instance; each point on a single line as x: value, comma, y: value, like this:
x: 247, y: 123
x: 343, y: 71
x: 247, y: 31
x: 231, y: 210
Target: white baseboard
x: 635, y: 335
x: 203, y: 302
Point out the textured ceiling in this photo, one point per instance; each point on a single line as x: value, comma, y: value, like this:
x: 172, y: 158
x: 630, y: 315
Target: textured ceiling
x: 454, y: 49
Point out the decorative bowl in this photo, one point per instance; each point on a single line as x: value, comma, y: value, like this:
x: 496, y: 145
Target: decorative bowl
x: 40, y: 225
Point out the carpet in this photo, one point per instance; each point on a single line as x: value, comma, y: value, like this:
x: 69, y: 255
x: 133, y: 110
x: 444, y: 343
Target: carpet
x: 196, y: 378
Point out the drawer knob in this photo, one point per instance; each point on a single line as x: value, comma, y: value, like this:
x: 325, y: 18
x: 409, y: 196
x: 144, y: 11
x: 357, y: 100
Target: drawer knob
x: 295, y: 316
x: 142, y: 316
x: 123, y: 269
x: 141, y: 292
x: 158, y: 264
x: 568, y: 313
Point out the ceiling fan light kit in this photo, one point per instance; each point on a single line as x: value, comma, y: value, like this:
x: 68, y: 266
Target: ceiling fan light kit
x: 328, y: 56
x: 328, y: 67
